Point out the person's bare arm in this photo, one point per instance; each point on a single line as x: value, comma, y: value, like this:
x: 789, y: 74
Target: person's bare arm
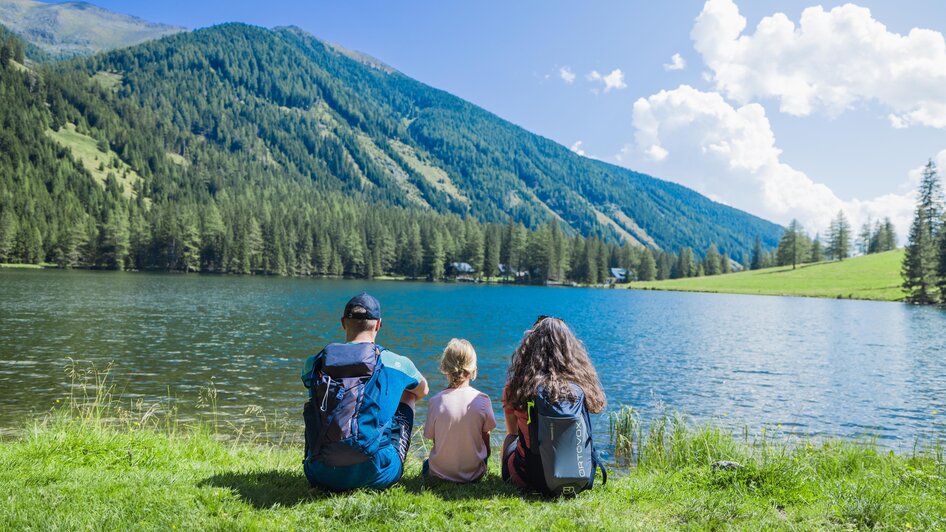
x: 421, y: 390
x: 487, y: 442
x: 511, y: 426
x: 410, y: 397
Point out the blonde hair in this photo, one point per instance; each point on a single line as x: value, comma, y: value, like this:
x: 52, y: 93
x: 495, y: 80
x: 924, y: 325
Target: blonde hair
x: 458, y: 362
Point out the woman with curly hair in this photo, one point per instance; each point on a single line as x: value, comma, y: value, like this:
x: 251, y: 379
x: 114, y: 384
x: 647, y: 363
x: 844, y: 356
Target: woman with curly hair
x: 549, y: 358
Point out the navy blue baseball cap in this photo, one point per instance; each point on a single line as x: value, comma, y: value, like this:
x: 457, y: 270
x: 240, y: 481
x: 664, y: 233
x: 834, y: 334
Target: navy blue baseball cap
x: 372, y: 309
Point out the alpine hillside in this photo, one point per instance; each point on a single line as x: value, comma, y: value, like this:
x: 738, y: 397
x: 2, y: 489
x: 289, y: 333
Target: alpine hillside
x: 258, y: 137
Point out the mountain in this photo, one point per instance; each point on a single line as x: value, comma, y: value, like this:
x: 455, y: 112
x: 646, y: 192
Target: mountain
x: 240, y: 149
x: 76, y: 28
x: 350, y: 123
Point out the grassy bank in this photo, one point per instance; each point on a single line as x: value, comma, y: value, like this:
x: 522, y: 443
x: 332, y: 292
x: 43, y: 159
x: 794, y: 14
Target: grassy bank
x: 102, y: 470
x: 26, y: 266
x: 875, y: 277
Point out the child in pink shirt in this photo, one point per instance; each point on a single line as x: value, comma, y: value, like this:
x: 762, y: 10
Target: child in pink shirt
x: 459, y: 420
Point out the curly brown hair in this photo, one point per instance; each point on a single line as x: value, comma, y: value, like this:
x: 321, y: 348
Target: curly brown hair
x: 552, y: 356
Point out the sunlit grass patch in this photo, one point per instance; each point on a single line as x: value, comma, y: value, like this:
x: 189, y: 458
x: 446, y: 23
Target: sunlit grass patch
x: 94, y: 463
x: 875, y: 277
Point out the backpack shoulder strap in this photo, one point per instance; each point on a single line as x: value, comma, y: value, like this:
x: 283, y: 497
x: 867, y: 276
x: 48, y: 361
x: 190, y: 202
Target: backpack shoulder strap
x: 596, y: 460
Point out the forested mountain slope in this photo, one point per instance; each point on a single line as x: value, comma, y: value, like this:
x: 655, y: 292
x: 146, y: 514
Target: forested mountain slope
x: 68, y: 29
x: 309, y: 110
x: 242, y: 149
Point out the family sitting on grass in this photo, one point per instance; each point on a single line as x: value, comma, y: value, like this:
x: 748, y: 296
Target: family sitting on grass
x: 360, y: 412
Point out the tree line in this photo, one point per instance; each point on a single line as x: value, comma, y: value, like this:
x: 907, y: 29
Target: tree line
x: 797, y: 247
x: 924, y: 264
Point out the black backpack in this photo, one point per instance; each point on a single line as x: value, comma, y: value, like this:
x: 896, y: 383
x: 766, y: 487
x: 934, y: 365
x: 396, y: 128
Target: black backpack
x: 562, y: 459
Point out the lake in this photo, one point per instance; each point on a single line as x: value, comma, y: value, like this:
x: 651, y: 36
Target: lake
x: 808, y: 367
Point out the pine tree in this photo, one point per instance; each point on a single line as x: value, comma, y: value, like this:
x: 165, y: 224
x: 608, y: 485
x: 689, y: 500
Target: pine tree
x: 839, y: 237
x: 817, y: 252
x: 254, y: 247
x: 684, y: 266
x: 793, y: 248
x: 8, y: 231
x: 115, y: 242
x: 889, y: 242
x: 491, y: 254
x: 212, y: 237
x: 189, y: 232
x: 591, y: 261
x: 414, y: 253
x: 436, y: 258
x: 603, y: 258
x: 757, y: 258
x: 711, y: 262
x: 864, y: 238
x: 664, y: 265
x: 517, y: 235
x: 647, y: 269
x: 920, y: 263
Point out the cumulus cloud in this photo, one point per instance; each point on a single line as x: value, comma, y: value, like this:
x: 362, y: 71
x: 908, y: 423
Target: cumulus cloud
x: 677, y: 62
x: 567, y: 75
x: 728, y: 153
x: 612, y: 81
x: 831, y: 61
x: 577, y: 147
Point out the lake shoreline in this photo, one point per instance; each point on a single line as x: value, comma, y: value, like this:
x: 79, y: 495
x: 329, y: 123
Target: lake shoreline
x: 395, y: 278
x: 766, y: 294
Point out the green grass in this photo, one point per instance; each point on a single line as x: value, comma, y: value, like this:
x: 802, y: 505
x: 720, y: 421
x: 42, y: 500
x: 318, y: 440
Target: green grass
x: 93, y: 465
x: 875, y: 277
x: 111, y: 81
x: 84, y: 148
x: 27, y: 266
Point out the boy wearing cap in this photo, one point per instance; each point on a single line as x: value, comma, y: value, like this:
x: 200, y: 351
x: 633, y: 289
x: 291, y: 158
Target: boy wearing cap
x: 396, y: 387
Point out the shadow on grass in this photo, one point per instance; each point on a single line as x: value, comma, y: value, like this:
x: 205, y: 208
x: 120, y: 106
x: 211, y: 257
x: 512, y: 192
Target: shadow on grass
x: 265, y: 489
x: 487, y: 488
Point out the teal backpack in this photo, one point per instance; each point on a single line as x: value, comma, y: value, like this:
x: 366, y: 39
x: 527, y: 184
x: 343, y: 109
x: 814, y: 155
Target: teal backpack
x: 562, y: 460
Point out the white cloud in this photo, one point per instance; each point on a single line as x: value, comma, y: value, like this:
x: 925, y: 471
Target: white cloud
x: 699, y: 140
x: 677, y: 62
x: 831, y: 61
x: 576, y: 147
x: 614, y: 80
x: 567, y: 75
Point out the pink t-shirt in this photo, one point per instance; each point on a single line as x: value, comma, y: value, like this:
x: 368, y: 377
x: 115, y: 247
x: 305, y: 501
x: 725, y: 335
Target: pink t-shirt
x: 456, y: 421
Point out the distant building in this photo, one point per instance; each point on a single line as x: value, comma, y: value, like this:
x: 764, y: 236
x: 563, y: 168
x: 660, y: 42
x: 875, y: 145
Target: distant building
x: 508, y: 272
x: 461, y: 271
x: 618, y: 275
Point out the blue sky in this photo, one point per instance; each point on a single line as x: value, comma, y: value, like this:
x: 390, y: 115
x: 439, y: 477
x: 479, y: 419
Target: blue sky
x: 801, y: 122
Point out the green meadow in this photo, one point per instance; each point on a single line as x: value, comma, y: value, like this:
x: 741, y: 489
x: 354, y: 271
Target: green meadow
x: 875, y: 277
x: 99, y: 163
x: 93, y: 465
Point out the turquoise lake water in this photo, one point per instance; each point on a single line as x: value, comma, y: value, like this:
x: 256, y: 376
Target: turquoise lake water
x: 808, y: 367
